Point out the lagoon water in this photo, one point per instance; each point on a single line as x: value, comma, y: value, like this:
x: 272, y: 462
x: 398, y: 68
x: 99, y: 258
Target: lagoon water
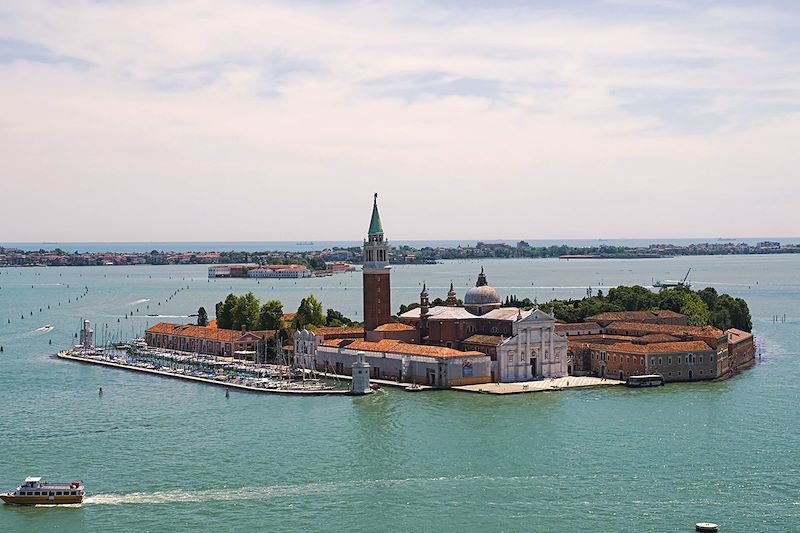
x: 163, y: 455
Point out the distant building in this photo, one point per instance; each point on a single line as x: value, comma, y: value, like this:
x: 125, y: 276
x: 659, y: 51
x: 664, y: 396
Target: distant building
x: 230, y: 271
x: 523, y: 244
x: 280, y: 271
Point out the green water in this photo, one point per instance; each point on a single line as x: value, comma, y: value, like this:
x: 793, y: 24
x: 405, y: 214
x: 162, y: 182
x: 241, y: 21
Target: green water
x: 163, y: 455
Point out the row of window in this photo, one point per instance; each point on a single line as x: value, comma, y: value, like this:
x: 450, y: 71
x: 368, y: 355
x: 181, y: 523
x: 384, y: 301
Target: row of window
x: 47, y: 493
x: 690, y: 359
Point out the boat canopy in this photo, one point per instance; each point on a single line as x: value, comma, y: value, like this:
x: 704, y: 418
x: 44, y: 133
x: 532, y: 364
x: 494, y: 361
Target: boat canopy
x: 32, y: 479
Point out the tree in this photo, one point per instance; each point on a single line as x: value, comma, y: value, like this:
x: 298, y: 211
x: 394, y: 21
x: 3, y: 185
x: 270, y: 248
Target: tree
x: 245, y: 312
x: 225, y: 313
x: 737, y: 310
x: 334, y: 318
x: 635, y: 298
x: 308, y: 314
x: 695, y: 309
x: 670, y: 299
x: 202, y: 317
x: 709, y: 296
x: 409, y: 307
x: 270, y: 316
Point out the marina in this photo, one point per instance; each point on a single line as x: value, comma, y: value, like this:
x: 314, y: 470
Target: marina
x: 263, y: 382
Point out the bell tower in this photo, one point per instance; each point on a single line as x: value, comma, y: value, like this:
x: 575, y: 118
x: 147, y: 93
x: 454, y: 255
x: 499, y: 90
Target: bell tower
x: 377, y: 297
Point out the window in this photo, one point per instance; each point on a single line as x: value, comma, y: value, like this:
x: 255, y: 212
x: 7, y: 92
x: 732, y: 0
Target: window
x: 679, y: 372
x: 679, y: 360
x: 670, y: 374
x: 659, y: 360
x: 641, y: 361
x: 701, y: 358
x: 652, y: 360
x: 710, y: 358
x: 669, y: 360
x: 701, y: 372
x: 59, y: 493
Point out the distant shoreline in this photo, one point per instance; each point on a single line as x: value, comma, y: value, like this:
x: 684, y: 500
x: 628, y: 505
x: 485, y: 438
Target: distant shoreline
x: 317, y: 260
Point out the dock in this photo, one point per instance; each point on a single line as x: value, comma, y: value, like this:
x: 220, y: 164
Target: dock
x: 541, y: 385
x: 208, y: 381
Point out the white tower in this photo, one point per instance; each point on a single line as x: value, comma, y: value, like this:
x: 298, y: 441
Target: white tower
x: 86, y: 335
x: 360, y: 383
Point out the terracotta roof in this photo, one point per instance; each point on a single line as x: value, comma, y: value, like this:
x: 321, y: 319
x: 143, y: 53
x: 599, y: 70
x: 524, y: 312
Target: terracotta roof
x: 658, y: 337
x: 485, y: 340
x: 707, y: 331
x: 657, y: 347
x: 188, y: 330
x: 633, y: 316
x: 344, y: 330
x: 737, y: 335
x: 394, y: 346
x: 395, y: 326
x: 577, y: 326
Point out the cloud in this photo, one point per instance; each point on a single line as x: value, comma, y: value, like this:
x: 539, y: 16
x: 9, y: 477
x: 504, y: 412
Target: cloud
x: 277, y: 120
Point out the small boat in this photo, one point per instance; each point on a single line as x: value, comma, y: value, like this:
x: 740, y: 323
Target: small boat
x: 34, y: 491
x: 414, y: 387
x: 647, y: 380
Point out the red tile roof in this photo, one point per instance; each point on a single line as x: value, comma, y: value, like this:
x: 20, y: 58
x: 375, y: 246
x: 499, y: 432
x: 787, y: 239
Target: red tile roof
x: 188, y: 330
x: 395, y: 326
x: 705, y: 331
x: 633, y: 316
x: 394, y: 346
x: 484, y: 340
x: 657, y: 347
x: 328, y: 331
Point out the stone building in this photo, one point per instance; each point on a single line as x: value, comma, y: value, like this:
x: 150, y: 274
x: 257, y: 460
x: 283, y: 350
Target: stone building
x: 410, y: 363
x: 206, y: 340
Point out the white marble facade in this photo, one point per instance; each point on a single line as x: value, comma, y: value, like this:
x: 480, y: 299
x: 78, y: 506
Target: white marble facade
x: 533, y: 351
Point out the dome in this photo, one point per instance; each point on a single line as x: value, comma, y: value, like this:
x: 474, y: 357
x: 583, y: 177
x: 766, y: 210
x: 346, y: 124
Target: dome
x: 483, y: 295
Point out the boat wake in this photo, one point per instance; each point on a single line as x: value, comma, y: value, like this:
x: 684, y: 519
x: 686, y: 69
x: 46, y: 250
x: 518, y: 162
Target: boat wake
x: 142, y: 301
x: 64, y: 505
x: 182, y: 496
x: 257, y: 493
x: 45, y: 328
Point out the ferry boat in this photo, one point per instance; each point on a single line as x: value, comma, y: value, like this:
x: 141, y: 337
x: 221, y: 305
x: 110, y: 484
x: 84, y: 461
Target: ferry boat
x: 34, y: 491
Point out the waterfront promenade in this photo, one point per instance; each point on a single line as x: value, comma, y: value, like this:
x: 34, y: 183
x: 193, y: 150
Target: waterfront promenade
x: 542, y: 385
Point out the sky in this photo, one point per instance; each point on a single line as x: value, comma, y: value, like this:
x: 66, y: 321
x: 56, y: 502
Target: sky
x: 200, y: 120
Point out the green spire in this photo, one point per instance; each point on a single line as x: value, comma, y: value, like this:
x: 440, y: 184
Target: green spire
x: 375, y: 224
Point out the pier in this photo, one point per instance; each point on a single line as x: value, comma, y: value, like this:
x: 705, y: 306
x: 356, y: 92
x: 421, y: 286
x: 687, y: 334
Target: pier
x: 209, y: 381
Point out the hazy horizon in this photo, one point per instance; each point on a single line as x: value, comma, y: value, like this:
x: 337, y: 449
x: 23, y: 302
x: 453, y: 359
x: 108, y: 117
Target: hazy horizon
x: 197, y: 121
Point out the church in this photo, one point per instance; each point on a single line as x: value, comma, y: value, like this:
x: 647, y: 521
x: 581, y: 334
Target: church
x: 442, y: 346
x: 522, y: 344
